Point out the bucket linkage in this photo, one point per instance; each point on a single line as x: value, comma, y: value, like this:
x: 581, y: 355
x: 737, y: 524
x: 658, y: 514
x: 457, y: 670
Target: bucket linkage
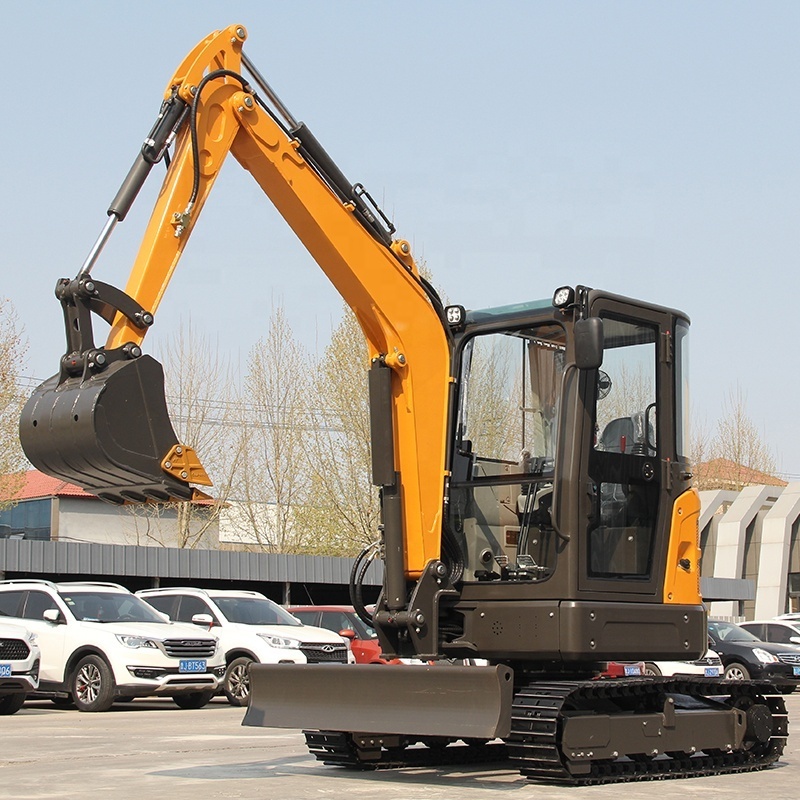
x: 102, y: 421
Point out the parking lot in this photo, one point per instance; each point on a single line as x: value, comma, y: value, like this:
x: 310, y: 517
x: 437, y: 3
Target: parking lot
x: 151, y: 748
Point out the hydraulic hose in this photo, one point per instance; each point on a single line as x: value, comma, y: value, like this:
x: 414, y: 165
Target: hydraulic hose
x: 220, y: 73
x: 357, y: 574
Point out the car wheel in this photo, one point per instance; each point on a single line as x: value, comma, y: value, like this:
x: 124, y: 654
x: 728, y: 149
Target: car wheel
x: 11, y: 703
x: 92, y: 685
x: 736, y: 672
x: 193, y: 699
x: 236, y: 684
x: 652, y: 670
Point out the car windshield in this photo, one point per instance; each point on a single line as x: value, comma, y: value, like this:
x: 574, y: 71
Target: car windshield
x: 255, y: 611
x: 100, y: 606
x: 728, y: 632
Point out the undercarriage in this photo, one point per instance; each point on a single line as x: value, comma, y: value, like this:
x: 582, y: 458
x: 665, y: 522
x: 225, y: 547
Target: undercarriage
x: 598, y: 731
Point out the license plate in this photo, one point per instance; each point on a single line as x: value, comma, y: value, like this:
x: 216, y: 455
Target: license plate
x: 192, y: 665
x: 5, y: 670
x: 712, y: 672
x: 796, y: 671
x: 633, y: 669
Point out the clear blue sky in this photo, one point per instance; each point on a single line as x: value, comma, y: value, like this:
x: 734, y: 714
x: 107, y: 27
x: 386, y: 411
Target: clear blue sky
x: 648, y: 148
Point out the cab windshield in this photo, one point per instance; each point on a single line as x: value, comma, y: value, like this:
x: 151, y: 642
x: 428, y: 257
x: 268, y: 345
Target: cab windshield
x: 510, y: 385
x: 100, y: 606
x: 504, y: 458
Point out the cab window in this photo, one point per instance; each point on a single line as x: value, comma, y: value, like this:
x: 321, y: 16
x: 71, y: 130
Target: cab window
x: 623, y: 464
x: 504, y: 459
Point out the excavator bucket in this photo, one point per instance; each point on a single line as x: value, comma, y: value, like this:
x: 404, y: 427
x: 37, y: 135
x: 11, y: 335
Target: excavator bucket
x: 108, y: 433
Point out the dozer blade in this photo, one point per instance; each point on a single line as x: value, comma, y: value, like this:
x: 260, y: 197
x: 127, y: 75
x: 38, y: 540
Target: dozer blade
x: 453, y: 701
x: 107, y: 434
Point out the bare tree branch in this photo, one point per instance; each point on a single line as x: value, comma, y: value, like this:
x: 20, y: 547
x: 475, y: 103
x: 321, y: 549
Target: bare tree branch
x: 738, y: 455
x: 13, y: 349
x: 272, y: 474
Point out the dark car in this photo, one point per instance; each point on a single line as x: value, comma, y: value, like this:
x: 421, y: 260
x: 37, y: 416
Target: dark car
x: 744, y: 656
x: 342, y: 620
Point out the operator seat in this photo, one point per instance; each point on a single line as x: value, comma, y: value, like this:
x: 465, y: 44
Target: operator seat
x: 626, y: 435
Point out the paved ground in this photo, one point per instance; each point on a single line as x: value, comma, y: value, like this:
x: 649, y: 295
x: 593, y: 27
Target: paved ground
x: 153, y: 749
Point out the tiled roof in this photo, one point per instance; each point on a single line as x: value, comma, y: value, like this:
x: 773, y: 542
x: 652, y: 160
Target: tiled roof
x: 37, y: 485
x: 728, y: 474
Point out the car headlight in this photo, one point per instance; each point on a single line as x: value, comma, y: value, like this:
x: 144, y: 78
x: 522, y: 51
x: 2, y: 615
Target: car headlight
x: 135, y: 641
x: 280, y: 641
x: 764, y: 657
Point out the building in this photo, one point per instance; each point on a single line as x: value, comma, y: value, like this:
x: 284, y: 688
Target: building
x: 51, y: 509
x: 751, y: 538
x: 59, y: 532
x: 750, y: 541
x: 722, y: 473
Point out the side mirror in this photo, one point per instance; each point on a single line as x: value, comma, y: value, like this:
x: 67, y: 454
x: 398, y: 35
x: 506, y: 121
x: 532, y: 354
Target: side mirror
x: 794, y: 639
x: 53, y: 615
x: 206, y: 620
x: 589, y: 343
x: 347, y: 633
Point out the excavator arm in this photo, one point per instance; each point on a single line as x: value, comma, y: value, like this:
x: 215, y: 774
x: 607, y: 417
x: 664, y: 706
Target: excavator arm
x: 102, y: 422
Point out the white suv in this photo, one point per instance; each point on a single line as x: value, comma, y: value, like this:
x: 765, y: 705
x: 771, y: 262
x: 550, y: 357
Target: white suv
x: 100, y: 643
x: 19, y: 666
x: 250, y: 628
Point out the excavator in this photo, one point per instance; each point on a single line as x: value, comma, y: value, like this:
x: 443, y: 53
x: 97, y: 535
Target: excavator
x: 537, y: 512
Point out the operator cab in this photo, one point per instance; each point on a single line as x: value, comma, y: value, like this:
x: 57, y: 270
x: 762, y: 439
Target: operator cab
x: 554, y: 462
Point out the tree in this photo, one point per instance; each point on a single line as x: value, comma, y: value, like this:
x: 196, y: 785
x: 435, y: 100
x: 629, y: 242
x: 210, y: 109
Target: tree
x: 199, y: 387
x: 738, y: 456
x: 701, y: 437
x: 343, y: 512
x: 13, y: 349
x: 272, y: 476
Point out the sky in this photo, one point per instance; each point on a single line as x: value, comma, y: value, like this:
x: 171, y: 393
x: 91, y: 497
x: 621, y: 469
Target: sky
x: 645, y: 148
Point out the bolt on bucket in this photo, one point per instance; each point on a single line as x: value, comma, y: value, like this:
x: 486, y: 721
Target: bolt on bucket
x: 109, y: 433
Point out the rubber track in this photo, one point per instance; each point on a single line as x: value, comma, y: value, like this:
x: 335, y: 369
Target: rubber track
x: 535, y: 747
x: 337, y: 748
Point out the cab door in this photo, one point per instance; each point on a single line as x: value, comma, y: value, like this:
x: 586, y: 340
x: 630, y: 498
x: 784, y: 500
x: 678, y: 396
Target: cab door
x: 627, y: 501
